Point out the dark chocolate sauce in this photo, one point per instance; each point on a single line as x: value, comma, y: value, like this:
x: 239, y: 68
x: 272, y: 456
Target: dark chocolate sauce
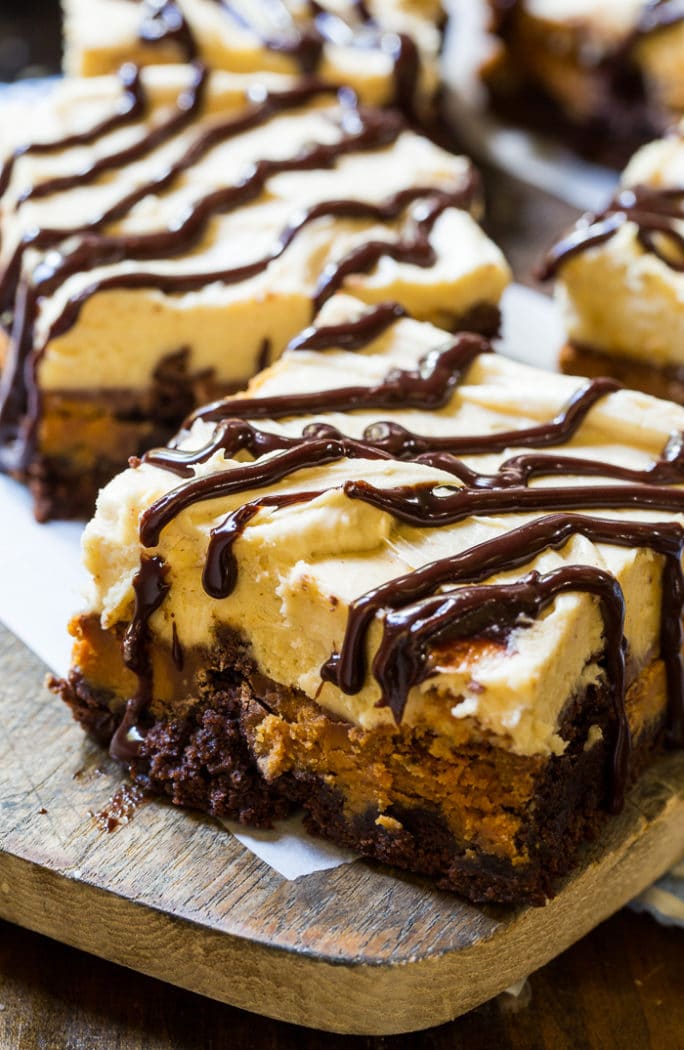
x: 188, y: 105
x: 164, y: 22
x: 655, y: 212
x: 305, y: 44
x: 351, y: 335
x: 19, y: 395
x: 131, y: 108
x: 150, y: 589
x: 220, y: 570
x: 256, y: 475
x: 436, y: 504
x: 416, y: 249
x: 429, y: 386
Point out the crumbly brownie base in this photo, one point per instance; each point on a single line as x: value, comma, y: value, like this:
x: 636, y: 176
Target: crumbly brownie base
x: 240, y: 749
x: 200, y: 761
x: 665, y: 382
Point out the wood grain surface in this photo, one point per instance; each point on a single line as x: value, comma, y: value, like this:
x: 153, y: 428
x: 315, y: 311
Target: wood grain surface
x: 209, y: 916
x: 620, y: 988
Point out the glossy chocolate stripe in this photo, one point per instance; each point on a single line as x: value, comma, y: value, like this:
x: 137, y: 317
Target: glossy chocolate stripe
x: 518, y: 470
x: 132, y: 107
x: 519, y: 546
x: 428, y: 386
x: 305, y: 44
x: 220, y: 568
x: 259, y: 474
x: 164, y: 21
x: 424, y: 507
x: 655, y: 212
x: 94, y: 250
x: 417, y: 250
x: 187, y: 106
x: 103, y: 250
x: 351, y: 335
x: 150, y: 587
x: 233, y: 436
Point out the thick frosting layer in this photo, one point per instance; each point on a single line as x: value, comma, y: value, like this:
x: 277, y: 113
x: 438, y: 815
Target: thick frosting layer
x: 185, y: 209
x: 386, y: 50
x: 290, y: 572
x: 632, y: 256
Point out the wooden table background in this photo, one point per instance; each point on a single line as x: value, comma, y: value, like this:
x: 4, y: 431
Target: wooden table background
x: 622, y: 987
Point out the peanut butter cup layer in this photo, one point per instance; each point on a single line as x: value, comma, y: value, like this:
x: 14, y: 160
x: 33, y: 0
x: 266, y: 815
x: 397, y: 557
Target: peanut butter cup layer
x: 386, y: 50
x: 432, y: 595
x: 620, y: 277
x: 606, y: 76
x: 167, y: 231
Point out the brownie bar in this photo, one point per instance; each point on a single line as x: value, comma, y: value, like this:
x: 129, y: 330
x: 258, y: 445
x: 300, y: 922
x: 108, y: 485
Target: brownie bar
x: 182, y: 209
x: 620, y: 278
x: 433, y: 595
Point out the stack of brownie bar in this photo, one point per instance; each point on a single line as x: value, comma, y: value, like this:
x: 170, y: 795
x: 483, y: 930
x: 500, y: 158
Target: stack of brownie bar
x: 358, y: 562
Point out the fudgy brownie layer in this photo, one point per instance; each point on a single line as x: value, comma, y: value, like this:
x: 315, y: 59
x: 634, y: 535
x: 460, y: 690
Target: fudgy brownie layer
x: 478, y: 819
x: 665, y: 382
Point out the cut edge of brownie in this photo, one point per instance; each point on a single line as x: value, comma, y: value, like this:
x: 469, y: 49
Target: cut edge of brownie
x: 206, y: 756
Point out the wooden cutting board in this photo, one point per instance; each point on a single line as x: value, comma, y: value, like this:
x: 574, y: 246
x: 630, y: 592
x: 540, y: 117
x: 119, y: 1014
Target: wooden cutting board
x: 356, y: 949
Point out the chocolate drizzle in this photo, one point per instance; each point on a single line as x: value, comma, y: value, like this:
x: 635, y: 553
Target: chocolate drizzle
x: 131, y: 108
x: 219, y: 577
x: 188, y: 105
x: 164, y: 21
x: 352, y: 335
x: 430, y: 386
x: 306, y: 43
x: 416, y: 250
x: 150, y: 589
x: 255, y: 475
x: 656, y: 214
